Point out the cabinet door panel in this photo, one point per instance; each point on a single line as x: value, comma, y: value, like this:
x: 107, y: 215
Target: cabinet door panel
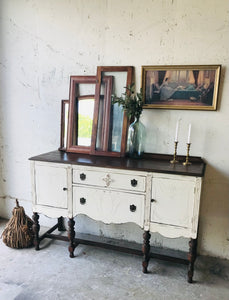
x: 51, y: 186
x: 173, y: 202
x: 108, y: 206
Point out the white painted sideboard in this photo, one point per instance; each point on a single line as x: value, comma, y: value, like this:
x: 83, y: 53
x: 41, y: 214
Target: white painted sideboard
x: 152, y: 193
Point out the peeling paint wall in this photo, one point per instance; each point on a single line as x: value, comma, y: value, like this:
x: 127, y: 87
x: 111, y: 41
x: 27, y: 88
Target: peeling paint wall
x: 43, y: 42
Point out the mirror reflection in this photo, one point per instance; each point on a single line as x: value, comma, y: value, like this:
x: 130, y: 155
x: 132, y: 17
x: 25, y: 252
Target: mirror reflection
x: 115, y: 117
x: 83, y: 120
x: 81, y: 113
x: 95, y: 125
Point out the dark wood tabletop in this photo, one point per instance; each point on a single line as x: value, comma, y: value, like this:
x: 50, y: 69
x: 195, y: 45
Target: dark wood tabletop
x: 159, y: 163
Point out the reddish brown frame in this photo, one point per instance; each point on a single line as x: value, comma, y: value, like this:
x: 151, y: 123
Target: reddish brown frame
x: 74, y: 80
x: 62, y: 124
x: 107, y: 80
x: 105, y: 152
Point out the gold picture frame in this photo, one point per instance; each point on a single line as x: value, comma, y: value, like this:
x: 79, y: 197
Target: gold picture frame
x: 181, y: 87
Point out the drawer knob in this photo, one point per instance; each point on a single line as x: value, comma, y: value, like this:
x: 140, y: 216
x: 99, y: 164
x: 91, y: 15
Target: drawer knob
x: 153, y: 200
x: 65, y: 189
x: 82, y: 200
x: 133, y: 182
x: 82, y: 176
x: 133, y: 208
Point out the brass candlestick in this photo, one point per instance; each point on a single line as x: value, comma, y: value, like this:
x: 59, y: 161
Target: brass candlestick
x: 187, y: 156
x: 174, y: 161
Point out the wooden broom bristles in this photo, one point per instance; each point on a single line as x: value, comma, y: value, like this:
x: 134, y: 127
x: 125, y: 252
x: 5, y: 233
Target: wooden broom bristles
x: 18, y: 232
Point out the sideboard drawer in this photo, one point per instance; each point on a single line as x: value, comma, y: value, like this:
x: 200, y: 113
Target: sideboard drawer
x: 108, y: 206
x: 110, y: 179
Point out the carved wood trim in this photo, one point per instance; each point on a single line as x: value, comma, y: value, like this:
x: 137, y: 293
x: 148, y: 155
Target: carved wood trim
x: 36, y: 228
x: 146, y: 251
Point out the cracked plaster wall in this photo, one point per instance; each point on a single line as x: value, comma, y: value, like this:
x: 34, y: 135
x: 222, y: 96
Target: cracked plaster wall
x: 42, y: 43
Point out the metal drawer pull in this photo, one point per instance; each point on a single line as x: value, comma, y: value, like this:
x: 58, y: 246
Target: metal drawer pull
x: 153, y: 200
x: 82, y: 200
x: 82, y: 176
x: 133, y: 182
x: 65, y: 189
x: 133, y: 208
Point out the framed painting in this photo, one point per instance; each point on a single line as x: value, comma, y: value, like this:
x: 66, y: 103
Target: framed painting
x: 181, y: 87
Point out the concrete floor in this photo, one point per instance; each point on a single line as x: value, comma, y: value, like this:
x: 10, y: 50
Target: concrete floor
x: 100, y: 274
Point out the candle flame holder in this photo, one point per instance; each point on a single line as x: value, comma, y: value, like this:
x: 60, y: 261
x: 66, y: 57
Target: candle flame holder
x: 187, y: 162
x: 174, y: 161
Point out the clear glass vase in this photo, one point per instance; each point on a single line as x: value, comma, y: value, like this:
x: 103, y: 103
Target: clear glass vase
x: 136, y: 139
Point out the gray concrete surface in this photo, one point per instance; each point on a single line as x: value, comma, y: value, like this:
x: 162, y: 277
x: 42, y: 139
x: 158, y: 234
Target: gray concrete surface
x: 99, y: 274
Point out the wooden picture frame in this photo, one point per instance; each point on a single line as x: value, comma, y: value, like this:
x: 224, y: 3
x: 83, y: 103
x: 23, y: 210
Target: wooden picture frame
x: 104, y: 148
x: 74, y: 94
x: 192, y: 87
x: 74, y: 97
x: 64, y: 124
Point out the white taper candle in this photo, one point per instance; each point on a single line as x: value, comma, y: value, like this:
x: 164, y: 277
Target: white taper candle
x: 177, y: 130
x: 189, y: 133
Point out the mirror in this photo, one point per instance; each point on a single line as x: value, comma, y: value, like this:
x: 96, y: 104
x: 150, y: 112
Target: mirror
x: 110, y: 124
x: 81, y: 112
x: 104, y: 113
x: 83, y: 120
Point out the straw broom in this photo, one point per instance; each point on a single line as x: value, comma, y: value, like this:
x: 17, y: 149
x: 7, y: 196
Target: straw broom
x: 18, y: 232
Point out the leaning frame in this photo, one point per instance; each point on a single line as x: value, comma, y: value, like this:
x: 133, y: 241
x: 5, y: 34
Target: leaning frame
x: 73, y: 81
x: 105, y: 151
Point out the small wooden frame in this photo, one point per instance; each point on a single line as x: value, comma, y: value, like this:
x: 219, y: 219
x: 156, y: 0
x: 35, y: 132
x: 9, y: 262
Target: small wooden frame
x: 74, y: 83
x: 74, y: 96
x: 63, y: 124
x: 104, y: 148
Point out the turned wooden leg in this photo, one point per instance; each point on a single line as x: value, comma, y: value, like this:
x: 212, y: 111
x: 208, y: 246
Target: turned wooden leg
x: 36, y: 228
x: 61, y: 226
x: 191, y: 258
x: 71, y: 236
x: 146, y: 251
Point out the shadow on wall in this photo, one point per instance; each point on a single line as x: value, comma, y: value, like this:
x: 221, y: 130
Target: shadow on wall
x: 214, y: 214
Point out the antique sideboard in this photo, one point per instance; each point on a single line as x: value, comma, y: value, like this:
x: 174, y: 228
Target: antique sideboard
x: 150, y: 192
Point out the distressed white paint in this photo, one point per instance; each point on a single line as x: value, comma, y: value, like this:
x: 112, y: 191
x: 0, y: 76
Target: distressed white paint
x: 175, y: 209
x: 52, y: 189
x: 42, y: 43
x: 110, y: 178
x: 108, y: 206
x: 173, y: 213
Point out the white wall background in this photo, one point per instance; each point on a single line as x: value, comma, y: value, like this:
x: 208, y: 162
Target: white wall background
x: 43, y: 42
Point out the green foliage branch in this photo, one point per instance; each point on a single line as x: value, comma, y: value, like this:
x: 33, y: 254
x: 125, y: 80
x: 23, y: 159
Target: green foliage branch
x: 131, y: 102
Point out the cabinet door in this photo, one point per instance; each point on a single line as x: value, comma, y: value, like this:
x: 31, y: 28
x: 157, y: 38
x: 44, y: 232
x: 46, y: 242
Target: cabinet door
x: 173, y: 201
x: 51, y: 185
